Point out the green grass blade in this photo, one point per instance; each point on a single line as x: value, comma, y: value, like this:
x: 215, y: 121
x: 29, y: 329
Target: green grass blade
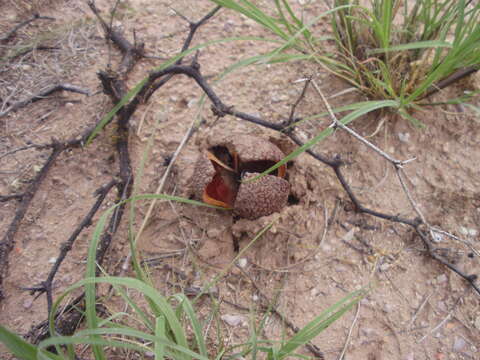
x: 254, y: 13
x: 320, y: 323
x: 22, y: 349
x: 159, y: 347
x: 291, y: 40
x: 143, y: 317
x: 99, y: 342
x: 366, y: 108
x: 179, y: 338
x: 412, y: 46
x: 195, y: 324
x: 90, y: 291
x: 410, y: 118
x: 132, y: 333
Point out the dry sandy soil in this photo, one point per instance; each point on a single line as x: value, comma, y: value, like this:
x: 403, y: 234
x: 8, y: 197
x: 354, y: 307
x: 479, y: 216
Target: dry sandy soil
x: 318, y: 250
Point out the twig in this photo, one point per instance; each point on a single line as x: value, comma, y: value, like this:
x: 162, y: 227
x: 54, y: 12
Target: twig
x: 131, y: 52
x: 25, y: 50
x: 5, y: 198
x: 444, y: 320
x: 12, y: 32
x: 291, y: 118
x: 46, y: 286
x: 347, y: 340
x: 31, y: 146
x: 466, y: 242
x: 457, y: 75
x: 414, y: 317
x: 8, y: 240
x: 193, y: 26
x: 471, y: 279
x: 337, y: 123
x: 400, y: 175
x: 43, y: 94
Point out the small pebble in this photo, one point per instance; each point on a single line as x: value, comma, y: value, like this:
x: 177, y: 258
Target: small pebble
x: 437, y: 237
x: 442, y: 306
x: 388, y: 308
x: 459, y: 344
x: 326, y: 248
x: 477, y: 322
x: 214, y: 232
x: 384, y: 267
x: 442, y: 279
x: 191, y: 103
x: 368, y: 332
x: 52, y: 260
x: 27, y: 304
x: 404, y: 137
x: 233, y: 320
x: 242, y: 262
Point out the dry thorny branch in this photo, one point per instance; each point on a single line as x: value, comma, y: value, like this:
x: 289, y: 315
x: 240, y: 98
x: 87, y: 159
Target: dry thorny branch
x: 7, y: 36
x: 114, y: 85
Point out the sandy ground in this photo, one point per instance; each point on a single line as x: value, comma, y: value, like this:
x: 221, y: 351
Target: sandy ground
x: 318, y: 250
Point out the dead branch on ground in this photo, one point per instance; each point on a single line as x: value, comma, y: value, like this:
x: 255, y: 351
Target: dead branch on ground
x: 43, y: 94
x: 17, y: 27
x: 5, y: 198
x: 47, y: 285
x: 114, y: 86
x: 7, y: 242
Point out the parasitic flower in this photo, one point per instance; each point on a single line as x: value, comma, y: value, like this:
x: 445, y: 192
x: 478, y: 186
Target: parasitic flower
x: 222, y: 167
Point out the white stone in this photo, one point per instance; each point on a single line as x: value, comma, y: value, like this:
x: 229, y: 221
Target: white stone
x: 233, y: 320
x: 191, y: 103
x: 477, y: 322
x: 442, y: 279
x: 459, y: 344
x: 437, y: 237
x: 27, y: 304
x: 404, y: 137
x: 242, y: 262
